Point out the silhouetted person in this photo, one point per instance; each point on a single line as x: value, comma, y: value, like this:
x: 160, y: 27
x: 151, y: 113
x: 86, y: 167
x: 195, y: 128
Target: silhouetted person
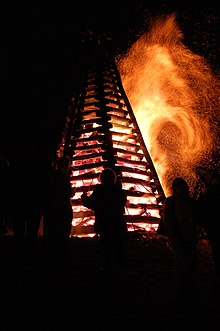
x: 26, y: 194
x: 58, y: 214
x: 34, y: 195
x: 108, y: 202
x: 19, y: 175
x: 209, y: 219
x: 5, y: 201
x: 179, y: 220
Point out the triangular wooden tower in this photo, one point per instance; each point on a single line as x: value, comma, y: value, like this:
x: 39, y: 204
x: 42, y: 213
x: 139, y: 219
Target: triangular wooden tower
x: 101, y: 131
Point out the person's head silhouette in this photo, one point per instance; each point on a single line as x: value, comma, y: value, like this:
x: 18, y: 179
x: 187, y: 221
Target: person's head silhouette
x: 108, y: 176
x: 180, y: 186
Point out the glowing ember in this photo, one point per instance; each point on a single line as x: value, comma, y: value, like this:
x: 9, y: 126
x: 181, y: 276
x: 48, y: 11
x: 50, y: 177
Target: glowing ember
x: 175, y: 98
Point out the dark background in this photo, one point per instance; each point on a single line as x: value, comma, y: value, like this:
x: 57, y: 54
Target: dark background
x: 41, y: 57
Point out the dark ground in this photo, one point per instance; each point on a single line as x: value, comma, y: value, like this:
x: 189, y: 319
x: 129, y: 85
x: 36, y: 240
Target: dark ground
x: 83, y: 297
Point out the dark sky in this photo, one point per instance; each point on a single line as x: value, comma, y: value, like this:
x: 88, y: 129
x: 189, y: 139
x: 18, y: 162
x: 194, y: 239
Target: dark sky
x: 40, y: 56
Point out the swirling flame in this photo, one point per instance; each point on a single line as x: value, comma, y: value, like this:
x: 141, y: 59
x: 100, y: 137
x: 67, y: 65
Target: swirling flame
x: 175, y: 98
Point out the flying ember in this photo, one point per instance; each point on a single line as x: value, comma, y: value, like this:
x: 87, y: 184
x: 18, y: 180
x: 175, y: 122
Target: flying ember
x: 175, y: 98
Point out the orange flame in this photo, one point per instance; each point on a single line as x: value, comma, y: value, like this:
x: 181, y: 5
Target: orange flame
x: 175, y: 98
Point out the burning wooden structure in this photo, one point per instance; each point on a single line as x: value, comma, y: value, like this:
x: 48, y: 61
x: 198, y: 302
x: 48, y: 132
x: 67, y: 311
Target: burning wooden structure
x: 101, y: 131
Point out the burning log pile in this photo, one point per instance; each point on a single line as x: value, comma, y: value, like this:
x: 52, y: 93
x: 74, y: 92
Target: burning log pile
x: 101, y: 131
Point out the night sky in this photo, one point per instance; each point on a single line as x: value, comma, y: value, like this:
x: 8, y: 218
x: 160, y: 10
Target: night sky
x: 40, y: 57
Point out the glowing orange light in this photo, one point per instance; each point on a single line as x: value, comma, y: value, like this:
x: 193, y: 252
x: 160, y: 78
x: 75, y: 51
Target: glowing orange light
x: 175, y: 98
